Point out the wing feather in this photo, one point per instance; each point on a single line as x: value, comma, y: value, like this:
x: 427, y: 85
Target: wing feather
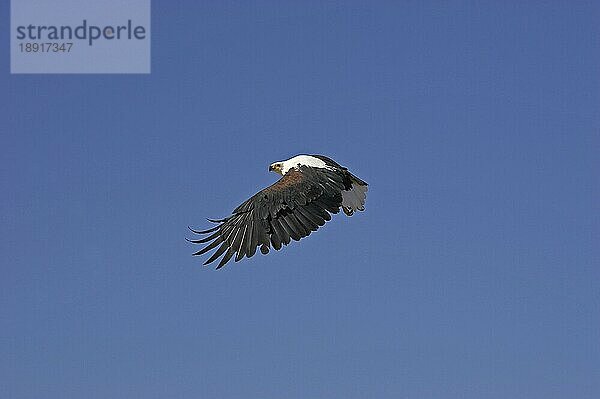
x: 306, y: 222
x: 317, y: 210
x: 298, y: 226
x: 241, y: 250
x: 203, y: 231
x: 275, y: 240
x: 209, y: 246
x: 314, y: 219
x: 233, y: 247
x: 254, y: 240
x: 289, y: 229
x: 218, y: 253
x: 207, y: 239
x: 248, y: 241
x: 280, y: 231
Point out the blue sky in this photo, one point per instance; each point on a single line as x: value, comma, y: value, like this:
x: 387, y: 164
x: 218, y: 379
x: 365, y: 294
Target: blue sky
x: 472, y: 273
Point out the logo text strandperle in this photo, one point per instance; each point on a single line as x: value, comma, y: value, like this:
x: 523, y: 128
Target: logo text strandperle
x: 81, y: 32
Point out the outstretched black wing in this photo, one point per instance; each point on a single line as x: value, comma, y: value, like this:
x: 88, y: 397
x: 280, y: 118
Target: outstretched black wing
x: 290, y: 209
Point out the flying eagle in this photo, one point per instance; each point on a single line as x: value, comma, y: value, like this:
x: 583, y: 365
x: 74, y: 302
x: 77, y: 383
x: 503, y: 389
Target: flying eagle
x: 312, y: 187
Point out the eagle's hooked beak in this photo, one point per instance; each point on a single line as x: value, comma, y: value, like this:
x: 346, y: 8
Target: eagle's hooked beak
x: 275, y: 167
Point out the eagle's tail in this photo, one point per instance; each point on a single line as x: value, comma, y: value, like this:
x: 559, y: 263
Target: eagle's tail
x: 354, y: 199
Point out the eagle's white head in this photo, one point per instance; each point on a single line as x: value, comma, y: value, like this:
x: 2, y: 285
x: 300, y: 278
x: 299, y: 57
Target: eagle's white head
x: 282, y: 167
x: 276, y: 167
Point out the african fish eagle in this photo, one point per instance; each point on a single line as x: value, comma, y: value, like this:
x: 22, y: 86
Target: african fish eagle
x: 312, y: 187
